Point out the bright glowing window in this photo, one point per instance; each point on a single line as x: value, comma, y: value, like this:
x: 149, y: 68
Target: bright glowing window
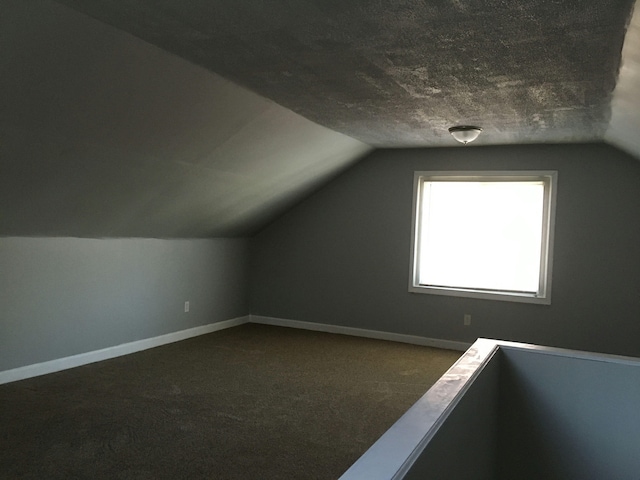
x: 484, y: 234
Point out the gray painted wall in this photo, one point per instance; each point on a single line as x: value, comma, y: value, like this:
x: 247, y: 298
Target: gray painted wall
x: 563, y: 417
x: 342, y: 256
x: 65, y: 296
x: 464, y: 447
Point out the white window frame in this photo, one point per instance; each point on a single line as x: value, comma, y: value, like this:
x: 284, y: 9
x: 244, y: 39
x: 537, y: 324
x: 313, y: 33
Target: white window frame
x: 550, y: 180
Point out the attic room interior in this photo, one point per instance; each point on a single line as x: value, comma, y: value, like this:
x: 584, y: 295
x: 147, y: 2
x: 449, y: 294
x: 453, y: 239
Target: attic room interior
x: 188, y: 186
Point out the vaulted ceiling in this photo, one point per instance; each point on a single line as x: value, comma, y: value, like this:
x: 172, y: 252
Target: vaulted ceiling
x: 171, y: 118
x: 105, y: 135
x: 398, y: 73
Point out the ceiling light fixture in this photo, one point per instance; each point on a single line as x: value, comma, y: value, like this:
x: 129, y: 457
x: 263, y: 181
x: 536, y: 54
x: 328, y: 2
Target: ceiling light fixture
x: 465, y: 133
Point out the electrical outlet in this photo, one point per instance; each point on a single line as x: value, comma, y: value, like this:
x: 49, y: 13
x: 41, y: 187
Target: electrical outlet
x: 186, y: 307
x: 467, y: 319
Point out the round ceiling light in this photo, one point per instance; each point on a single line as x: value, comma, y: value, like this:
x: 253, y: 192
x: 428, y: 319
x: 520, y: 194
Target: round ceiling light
x: 465, y: 133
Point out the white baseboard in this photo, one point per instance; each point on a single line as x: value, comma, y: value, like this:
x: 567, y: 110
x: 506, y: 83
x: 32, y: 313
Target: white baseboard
x: 361, y: 332
x: 59, y: 364
x: 65, y: 363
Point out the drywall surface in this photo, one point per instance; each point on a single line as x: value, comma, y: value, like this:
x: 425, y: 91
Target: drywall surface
x: 342, y: 256
x: 398, y: 73
x: 105, y: 135
x: 465, y: 445
x: 65, y: 296
x: 625, y: 123
x: 563, y: 417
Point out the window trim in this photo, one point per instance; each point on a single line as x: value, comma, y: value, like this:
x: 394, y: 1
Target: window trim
x: 550, y: 179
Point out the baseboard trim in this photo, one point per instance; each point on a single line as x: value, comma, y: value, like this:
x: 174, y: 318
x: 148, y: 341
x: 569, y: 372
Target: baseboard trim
x: 361, y: 332
x: 37, y: 369
x: 65, y: 363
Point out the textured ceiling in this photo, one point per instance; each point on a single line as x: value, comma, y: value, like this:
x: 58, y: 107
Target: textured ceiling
x: 111, y: 127
x: 397, y: 73
x: 104, y: 135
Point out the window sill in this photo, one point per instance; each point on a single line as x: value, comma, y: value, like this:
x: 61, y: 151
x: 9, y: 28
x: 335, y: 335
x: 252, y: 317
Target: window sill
x: 482, y: 295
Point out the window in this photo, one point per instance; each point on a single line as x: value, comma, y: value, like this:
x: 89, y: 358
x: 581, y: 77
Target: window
x: 484, y: 235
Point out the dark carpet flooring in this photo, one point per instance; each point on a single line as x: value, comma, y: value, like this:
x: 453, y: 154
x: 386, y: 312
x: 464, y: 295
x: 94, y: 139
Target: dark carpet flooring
x: 251, y: 402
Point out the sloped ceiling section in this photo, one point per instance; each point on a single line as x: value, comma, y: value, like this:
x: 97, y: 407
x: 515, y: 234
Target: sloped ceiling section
x: 624, y: 129
x: 398, y: 73
x: 105, y: 135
